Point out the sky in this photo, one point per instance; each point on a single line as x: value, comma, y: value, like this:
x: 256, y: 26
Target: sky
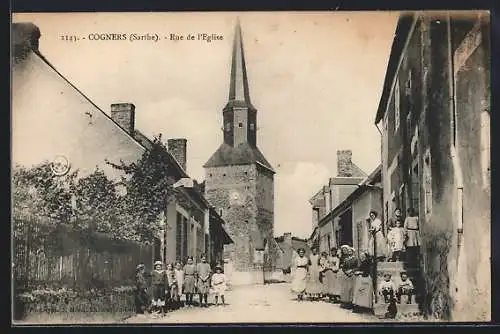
x: 315, y: 78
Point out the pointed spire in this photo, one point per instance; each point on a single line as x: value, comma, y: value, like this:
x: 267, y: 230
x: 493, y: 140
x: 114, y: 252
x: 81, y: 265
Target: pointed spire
x: 238, y: 88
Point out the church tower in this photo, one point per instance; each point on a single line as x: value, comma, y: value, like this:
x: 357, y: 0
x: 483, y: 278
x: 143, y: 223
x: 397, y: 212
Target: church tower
x: 239, y: 181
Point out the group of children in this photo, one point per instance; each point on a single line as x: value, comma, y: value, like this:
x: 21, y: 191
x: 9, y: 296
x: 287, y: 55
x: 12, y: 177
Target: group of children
x: 169, y: 285
x: 403, y: 236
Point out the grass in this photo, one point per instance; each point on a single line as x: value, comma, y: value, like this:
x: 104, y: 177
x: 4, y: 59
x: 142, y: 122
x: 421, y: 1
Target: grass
x: 73, y: 318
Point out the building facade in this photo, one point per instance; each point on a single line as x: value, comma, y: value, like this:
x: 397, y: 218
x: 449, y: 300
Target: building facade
x: 434, y: 116
x: 239, y: 180
x: 330, y: 231
x: 51, y: 118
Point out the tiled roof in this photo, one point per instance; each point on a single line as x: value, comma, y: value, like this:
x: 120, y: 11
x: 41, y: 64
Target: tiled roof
x: 242, y: 154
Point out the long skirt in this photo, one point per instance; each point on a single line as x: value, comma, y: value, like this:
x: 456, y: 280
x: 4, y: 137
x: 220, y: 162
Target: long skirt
x: 380, y: 243
x: 413, y: 238
x: 363, y: 292
x: 346, y: 287
x: 203, y: 286
x: 331, y: 284
x: 313, y: 285
x: 189, y: 284
x: 299, y: 280
x: 159, y: 295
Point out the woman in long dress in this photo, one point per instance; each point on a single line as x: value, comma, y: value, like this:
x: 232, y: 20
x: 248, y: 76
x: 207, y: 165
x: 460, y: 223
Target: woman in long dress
x: 363, y: 289
x: 323, y: 268
x: 377, y: 238
x: 313, y: 286
x: 331, y: 275
x: 347, y: 277
x: 300, y: 274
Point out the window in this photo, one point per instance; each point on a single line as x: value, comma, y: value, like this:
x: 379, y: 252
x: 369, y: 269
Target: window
x: 228, y: 126
x: 240, y: 125
x: 427, y: 183
x: 415, y: 186
x: 184, y: 237
x: 252, y: 126
x: 409, y: 83
x: 402, y: 204
x: 220, y: 212
x: 397, y: 105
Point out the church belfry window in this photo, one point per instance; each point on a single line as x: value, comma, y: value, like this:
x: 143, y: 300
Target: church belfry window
x: 252, y: 126
x: 240, y: 125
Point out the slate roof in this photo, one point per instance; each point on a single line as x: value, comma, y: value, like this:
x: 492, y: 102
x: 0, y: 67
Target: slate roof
x: 243, y: 154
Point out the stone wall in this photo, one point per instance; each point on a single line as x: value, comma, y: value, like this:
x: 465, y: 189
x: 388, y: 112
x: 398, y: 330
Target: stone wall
x: 454, y: 278
x: 221, y: 185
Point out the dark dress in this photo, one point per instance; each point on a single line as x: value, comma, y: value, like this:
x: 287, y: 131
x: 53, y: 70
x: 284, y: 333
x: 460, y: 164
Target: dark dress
x: 141, y: 296
x: 347, y: 278
x: 363, y: 288
x: 159, y: 283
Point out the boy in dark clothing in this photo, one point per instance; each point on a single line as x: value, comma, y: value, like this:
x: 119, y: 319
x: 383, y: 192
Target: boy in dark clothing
x: 141, y: 295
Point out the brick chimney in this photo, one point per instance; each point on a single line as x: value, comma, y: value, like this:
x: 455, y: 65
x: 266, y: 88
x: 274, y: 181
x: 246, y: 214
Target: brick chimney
x: 344, y: 163
x: 177, y: 148
x: 25, y: 38
x: 124, y: 115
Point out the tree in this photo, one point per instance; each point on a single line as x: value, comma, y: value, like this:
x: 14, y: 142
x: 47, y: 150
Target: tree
x: 149, y: 189
x: 36, y: 191
x: 92, y: 203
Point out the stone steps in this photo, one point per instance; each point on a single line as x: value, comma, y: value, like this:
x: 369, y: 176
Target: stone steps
x: 395, y: 269
x: 404, y: 309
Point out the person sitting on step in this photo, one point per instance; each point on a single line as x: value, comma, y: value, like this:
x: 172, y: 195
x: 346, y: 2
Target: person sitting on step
x: 405, y: 288
x: 387, y: 289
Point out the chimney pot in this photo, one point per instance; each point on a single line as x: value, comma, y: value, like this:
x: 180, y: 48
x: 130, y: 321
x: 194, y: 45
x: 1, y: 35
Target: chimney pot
x: 177, y: 147
x: 124, y: 115
x: 344, y: 163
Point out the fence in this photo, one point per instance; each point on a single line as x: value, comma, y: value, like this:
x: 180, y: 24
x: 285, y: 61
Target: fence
x: 48, y: 254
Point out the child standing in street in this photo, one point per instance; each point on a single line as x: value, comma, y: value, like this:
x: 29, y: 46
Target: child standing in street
x: 219, y: 284
x: 189, y: 281
x: 179, y: 276
x: 141, y: 294
x: 203, y: 272
x: 159, y: 283
x: 172, y: 287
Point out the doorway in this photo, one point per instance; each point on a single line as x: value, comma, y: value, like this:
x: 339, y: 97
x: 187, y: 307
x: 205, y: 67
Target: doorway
x: 346, y: 228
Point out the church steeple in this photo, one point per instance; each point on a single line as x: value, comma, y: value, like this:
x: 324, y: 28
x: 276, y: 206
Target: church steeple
x: 238, y: 87
x: 239, y: 117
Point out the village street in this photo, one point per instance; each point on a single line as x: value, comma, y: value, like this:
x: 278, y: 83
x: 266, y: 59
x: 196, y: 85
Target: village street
x: 261, y: 304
